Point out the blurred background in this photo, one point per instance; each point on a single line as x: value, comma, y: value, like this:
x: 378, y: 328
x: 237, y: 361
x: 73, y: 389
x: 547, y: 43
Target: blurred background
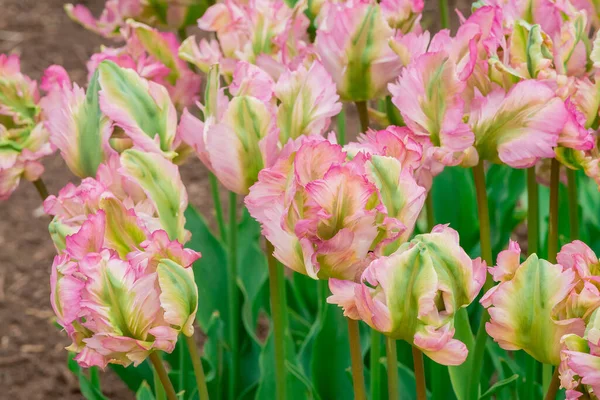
x: 32, y: 356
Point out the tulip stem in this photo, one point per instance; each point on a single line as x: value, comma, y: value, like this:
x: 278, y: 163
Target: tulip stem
x: 429, y: 211
x: 419, y: 373
x: 486, y: 253
x: 391, y: 358
x: 554, y: 384
x: 363, y: 115
x: 214, y: 190
x: 358, y: 379
x: 95, y: 378
x: 484, y: 217
x: 278, y: 309
x: 182, y: 34
x: 444, y: 15
x: 533, y: 214
x: 233, y: 297
x: 573, y: 204
x: 341, y: 127
x: 41, y: 188
x: 553, y: 222
x: 533, y: 234
x: 198, y: 370
x: 374, y: 362
x: 162, y: 375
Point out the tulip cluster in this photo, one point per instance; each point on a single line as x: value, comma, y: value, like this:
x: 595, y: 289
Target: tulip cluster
x: 516, y: 85
x: 122, y: 285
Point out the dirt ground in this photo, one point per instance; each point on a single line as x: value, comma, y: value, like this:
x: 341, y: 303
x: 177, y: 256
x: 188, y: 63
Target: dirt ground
x: 32, y: 355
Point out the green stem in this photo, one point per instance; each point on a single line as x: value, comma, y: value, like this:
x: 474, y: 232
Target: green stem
x: 391, y: 358
x: 573, y: 204
x: 341, y: 127
x: 429, y: 212
x: 375, y: 367
x: 486, y: 253
x: 162, y: 375
x: 444, y: 14
x: 41, y: 188
x: 214, y: 190
x: 553, y: 219
x: 533, y: 213
x: 484, y: 216
x: 182, y: 34
x: 95, y: 378
x: 233, y: 293
x: 553, y: 386
x: 533, y: 235
x: 419, y: 374
x: 198, y: 370
x: 358, y: 378
x: 531, y: 377
x: 277, y: 286
x: 363, y: 115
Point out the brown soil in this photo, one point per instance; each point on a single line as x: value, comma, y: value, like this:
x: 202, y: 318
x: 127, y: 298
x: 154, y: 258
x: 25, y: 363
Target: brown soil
x: 32, y: 355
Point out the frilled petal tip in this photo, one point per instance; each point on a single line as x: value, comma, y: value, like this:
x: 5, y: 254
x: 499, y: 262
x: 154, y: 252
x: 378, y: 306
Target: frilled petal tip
x: 343, y: 295
x: 439, y: 345
x: 507, y: 263
x: 526, y: 123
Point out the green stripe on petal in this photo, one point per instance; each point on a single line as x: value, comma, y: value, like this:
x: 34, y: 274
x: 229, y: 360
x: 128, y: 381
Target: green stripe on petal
x: 90, y: 125
x: 122, y: 230
x: 142, y: 108
x: 211, y: 93
x: 160, y: 180
x: 158, y: 47
x: 411, y: 278
x: 522, y: 311
x: 179, y: 295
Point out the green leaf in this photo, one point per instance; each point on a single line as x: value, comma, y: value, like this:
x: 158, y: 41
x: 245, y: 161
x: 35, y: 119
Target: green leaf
x: 133, y: 376
x: 144, y: 392
x: 455, y: 203
x: 88, y: 390
x: 505, y: 186
x: 209, y: 270
x: 253, y: 272
x: 331, y: 355
x: 496, y: 387
x: 298, y: 386
x: 459, y: 375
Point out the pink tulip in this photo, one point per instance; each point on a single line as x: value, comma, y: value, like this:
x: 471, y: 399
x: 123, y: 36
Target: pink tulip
x: 352, y: 42
x: 24, y: 141
x: 532, y: 298
x: 409, y: 294
x: 298, y: 202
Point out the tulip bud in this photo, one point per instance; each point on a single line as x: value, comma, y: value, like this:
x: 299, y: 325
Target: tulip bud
x: 78, y: 128
x: 143, y: 109
x: 308, y: 100
x: 352, y: 43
